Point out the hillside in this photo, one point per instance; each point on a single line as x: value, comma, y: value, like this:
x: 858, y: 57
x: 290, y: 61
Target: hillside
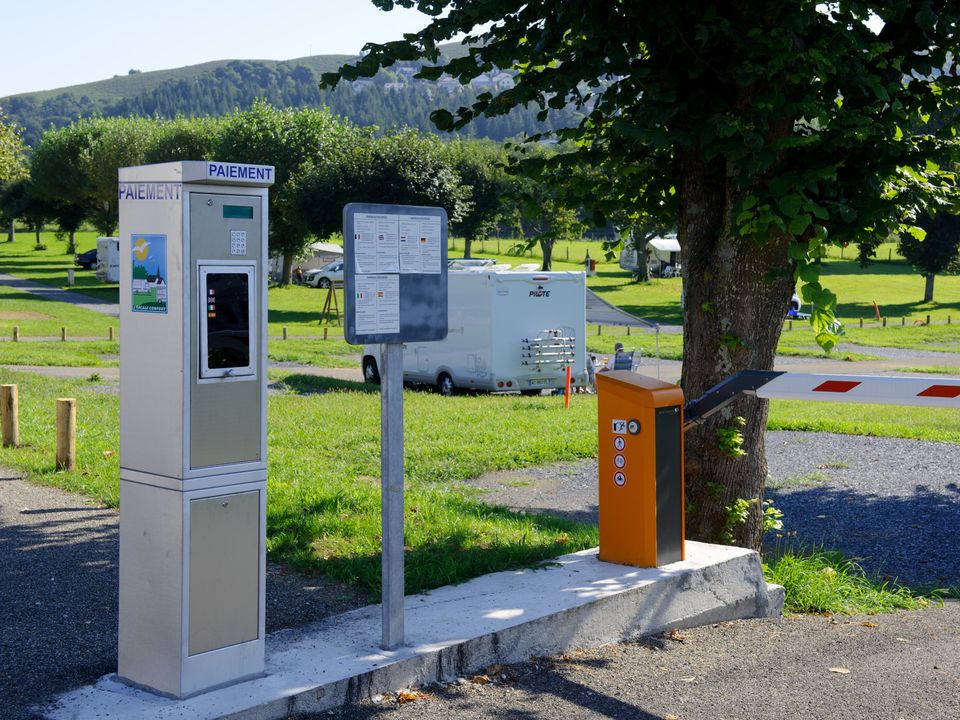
x: 392, y: 98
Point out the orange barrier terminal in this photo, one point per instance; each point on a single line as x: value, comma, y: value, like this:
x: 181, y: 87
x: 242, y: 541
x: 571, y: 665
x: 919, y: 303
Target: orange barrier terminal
x: 640, y: 422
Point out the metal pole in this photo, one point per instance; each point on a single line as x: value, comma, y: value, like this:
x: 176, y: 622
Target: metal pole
x: 658, y: 351
x: 391, y: 484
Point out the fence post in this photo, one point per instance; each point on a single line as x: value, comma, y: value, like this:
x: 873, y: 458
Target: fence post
x: 110, y: 333
x: 66, y: 433
x: 903, y: 321
x: 9, y: 416
x: 325, y: 333
x: 63, y: 334
x: 284, y: 333
x: 16, y: 333
x: 861, y: 323
x: 928, y: 319
x: 884, y: 320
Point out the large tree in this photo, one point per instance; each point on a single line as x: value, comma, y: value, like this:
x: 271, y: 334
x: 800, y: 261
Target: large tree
x: 759, y: 128
x: 13, y: 164
x: 936, y: 252
x: 402, y: 168
x: 289, y: 140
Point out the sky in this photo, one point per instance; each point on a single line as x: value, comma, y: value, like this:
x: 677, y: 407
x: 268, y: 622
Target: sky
x: 55, y: 43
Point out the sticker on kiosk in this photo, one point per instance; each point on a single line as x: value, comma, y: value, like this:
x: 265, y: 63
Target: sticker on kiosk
x: 619, y: 427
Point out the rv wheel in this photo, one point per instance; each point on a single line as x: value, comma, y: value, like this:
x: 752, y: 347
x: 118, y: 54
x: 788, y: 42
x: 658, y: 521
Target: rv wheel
x: 370, y: 374
x: 445, y: 385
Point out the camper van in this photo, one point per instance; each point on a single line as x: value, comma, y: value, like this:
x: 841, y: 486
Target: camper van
x: 108, y: 259
x: 509, y: 330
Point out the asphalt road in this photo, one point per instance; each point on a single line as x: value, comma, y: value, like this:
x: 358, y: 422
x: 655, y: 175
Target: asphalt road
x: 902, y: 666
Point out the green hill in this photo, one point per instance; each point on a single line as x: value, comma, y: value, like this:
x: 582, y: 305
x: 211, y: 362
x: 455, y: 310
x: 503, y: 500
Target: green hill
x: 393, y: 97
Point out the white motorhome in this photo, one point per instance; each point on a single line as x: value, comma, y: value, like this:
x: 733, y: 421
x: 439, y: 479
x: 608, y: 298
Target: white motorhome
x: 108, y: 259
x: 509, y: 330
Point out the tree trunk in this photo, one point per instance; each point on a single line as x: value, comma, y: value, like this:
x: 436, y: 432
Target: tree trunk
x: 733, y: 317
x: 36, y: 233
x: 72, y: 243
x: 287, y: 270
x: 928, y: 287
x: 546, y: 245
x: 643, y: 265
x: 12, y: 234
x: 467, y: 247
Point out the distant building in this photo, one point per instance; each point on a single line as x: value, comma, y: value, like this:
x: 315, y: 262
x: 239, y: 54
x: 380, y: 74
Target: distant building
x: 503, y: 80
x: 482, y: 82
x: 448, y: 84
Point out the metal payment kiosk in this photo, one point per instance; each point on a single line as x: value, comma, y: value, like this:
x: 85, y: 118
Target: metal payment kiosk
x: 193, y: 351
x: 640, y: 459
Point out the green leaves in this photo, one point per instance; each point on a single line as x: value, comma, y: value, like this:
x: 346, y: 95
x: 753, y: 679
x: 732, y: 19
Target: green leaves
x: 827, y: 328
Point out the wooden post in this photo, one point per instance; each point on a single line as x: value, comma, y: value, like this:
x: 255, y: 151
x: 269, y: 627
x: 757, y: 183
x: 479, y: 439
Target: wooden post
x: 66, y: 433
x: 789, y: 324
x: 928, y: 319
x: 948, y: 319
x: 284, y: 333
x: 16, y: 333
x: 861, y: 322
x: 325, y: 333
x: 884, y: 320
x: 628, y: 331
x: 63, y: 334
x: 599, y: 329
x: 9, y: 416
x: 110, y: 333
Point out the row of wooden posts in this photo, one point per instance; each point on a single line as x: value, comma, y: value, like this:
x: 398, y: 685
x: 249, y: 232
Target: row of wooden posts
x: 883, y: 321
x: 66, y: 426
x: 63, y: 333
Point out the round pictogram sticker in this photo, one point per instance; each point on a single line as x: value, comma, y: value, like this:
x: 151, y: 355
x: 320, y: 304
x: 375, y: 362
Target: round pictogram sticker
x: 633, y: 426
x: 619, y: 443
x: 619, y: 460
x: 619, y: 479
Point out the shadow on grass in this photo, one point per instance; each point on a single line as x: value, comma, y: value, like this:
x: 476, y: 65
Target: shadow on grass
x: 452, y: 553
x: 314, y: 384
x: 909, y: 538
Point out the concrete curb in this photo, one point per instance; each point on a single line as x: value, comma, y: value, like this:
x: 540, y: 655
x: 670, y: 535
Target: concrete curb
x: 456, y: 630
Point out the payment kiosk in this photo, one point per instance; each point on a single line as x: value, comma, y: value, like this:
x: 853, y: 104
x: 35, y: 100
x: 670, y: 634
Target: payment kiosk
x: 193, y: 321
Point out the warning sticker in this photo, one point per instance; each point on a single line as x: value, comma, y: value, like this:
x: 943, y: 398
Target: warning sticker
x: 619, y: 460
x: 619, y: 443
x: 619, y: 479
x: 619, y: 427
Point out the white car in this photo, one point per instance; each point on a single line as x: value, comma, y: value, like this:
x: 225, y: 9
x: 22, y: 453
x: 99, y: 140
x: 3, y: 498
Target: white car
x: 322, y: 277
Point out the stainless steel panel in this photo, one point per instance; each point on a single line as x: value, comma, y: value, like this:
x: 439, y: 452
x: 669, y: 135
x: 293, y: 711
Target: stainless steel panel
x: 224, y: 571
x: 225, y: 417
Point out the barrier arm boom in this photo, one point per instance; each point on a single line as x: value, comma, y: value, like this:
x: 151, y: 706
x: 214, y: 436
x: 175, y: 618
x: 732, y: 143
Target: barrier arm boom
x: 872, y: 389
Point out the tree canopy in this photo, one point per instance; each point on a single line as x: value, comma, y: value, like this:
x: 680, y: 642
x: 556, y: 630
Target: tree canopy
x: 760, y: 129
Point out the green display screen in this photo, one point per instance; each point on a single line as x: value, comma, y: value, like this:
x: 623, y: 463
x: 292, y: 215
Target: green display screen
x: 243, y: 212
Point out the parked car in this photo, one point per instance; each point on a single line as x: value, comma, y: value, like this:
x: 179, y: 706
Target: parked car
x: 323, y: 276
x: 86, y: 260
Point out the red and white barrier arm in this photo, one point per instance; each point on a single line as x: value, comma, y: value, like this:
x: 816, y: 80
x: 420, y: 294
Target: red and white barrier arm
x: 878, y: 390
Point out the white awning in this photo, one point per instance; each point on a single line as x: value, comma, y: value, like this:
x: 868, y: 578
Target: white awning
x: 665, y: 244
x: 327, y: 248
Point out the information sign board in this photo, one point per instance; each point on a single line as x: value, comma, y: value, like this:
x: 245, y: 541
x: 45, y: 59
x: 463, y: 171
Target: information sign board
x: 395, y: 273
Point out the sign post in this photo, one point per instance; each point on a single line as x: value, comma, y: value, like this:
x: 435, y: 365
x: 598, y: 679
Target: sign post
x: 395, y: 291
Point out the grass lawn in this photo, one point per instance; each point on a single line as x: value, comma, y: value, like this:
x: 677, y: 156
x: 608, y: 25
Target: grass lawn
x: 102, y: 353
x: 39, y: 317
x: 324, y: 461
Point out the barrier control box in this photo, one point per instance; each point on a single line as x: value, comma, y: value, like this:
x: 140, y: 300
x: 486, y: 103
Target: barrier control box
x: 640, y: 458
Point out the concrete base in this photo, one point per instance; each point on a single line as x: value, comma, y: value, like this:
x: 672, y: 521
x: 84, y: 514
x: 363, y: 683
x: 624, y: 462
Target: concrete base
x: 456, y: 630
